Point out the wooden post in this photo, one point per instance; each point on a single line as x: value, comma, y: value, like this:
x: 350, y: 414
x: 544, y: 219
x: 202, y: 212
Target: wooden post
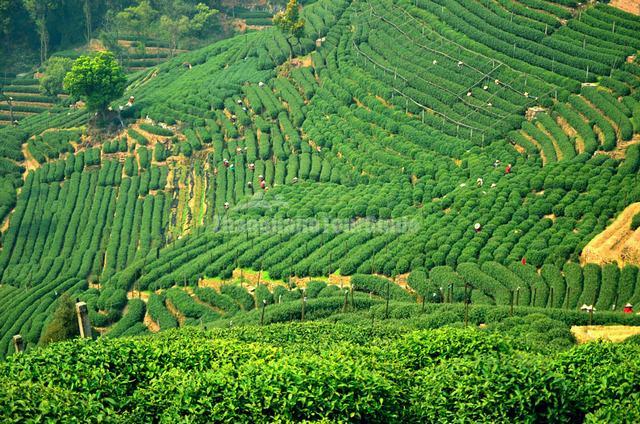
x: 346, y: 300
x: 264, y: 304
x: 10, y: 101
x: 353, y: 307
x: 466, y: 304
x: 83, y: 320
x: 533, y: 301
x: 304, y: 300
x: 18, y: 343
x: 511, y: 301
x: 386, y: 308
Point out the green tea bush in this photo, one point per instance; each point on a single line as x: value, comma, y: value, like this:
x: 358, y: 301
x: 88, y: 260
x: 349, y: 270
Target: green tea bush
x: 240, y: 295
x: 217, y: 300
x: 379, y: 286
x: 159, y: 312
x: 135, y: 314
x: 156, y: 130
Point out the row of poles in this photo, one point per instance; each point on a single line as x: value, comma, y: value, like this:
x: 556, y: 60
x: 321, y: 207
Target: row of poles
x: 82, y: 313
x: 84, y: 324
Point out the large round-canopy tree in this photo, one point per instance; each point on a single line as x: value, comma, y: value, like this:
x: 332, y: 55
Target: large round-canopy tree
x: 97, y: 79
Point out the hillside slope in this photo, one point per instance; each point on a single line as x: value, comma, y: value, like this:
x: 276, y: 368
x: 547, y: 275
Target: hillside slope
x: 395, y: 128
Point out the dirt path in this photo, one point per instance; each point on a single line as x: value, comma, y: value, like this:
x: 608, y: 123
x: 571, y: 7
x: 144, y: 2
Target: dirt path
x: 614, y: 124
x: 134, y: 294
x: 538, y: 146
x: 520, y: 149
x: 621, y: 149
x: 629, y: 6
x: 571, y: 132
x: 30, y: 163
x: 546, y: 132
x: 205, y: 304
x: 150, y: 323
x: 174, y: 311
x: 613, y: 333
x: 617, y: 243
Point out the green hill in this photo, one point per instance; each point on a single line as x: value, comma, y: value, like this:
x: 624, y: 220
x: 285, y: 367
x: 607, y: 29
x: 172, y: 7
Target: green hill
x: 421, y: 152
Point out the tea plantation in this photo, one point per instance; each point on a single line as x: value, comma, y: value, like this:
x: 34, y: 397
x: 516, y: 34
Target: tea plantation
x: 403, y: 165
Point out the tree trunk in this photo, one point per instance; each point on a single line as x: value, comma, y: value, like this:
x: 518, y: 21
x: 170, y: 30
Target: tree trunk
x: 88, y: 18
x: 174, y: 44
x: 44, y: 39
x: 290, y: 48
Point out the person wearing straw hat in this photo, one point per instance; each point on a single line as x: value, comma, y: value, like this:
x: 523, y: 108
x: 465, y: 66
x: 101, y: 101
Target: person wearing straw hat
x: 628, y: 308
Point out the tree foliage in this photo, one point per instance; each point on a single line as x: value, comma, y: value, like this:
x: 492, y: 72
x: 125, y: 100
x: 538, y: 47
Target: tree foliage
x: 289, y: 20
x: 64, y: 323
x: 97, y: 79
x: 52, y: 83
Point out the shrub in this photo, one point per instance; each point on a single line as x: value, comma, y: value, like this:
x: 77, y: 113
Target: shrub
x: 156, y: 130
x: 159, y: 313
x: 379, y: 287
x: 134, y: 315
x: 239, y: 295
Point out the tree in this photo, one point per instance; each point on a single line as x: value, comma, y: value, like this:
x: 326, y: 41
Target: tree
x: 64, y: 324
x: 290, y: 23
x: 5, y: 17
x: 137, y: 19
x: 39, y: 11
x: 202, y: 21
x: 97, y: 80
x: 88, y: 17
x: 55, y: 71
x: 175, y: 27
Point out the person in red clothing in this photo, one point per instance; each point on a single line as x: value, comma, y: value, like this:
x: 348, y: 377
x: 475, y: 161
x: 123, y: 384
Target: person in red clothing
x: 507, y: 170
x: 524, y: 260
x: 263, y: 184
x: 628, y: 308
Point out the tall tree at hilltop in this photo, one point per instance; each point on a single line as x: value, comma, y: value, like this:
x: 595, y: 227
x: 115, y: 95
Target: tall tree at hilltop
x: 174, y: 26
x: 290, y: 23
x: 98, y: 80
x: 39, y: 11
x: 138, y: 19
x: 88, y: 17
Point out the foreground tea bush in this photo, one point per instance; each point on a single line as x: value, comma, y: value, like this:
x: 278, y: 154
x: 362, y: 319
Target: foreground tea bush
x: 316, y: 371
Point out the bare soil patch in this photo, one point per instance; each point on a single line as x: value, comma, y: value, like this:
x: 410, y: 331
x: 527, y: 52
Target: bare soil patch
x: 30, y: 163
x: 629, y: 6
x: 535, y: 143
x: 174, y: 311
x: 612, y: 333
x: 150, y: 323
x: 617, y: 243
